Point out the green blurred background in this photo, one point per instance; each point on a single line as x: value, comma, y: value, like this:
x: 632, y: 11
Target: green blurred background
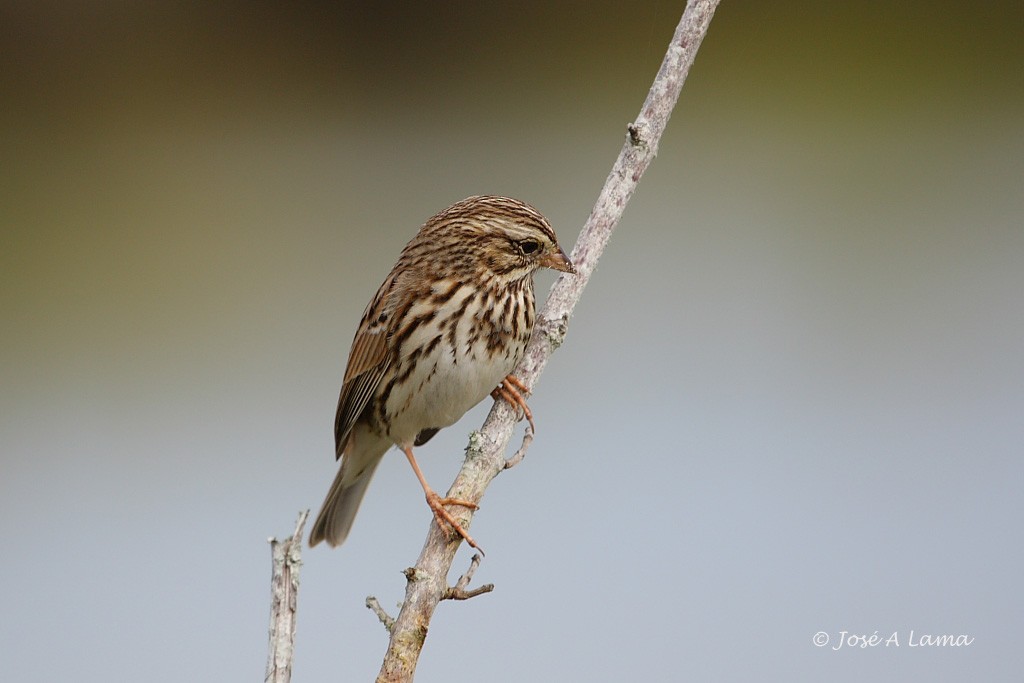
x: 791, y: 400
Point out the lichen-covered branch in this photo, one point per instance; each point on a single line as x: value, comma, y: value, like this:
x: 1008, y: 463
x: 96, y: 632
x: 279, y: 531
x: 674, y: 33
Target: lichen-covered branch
x: 427, y: 581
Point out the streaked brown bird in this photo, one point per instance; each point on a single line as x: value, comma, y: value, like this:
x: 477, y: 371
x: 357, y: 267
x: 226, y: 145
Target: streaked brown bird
x: 446, y: 329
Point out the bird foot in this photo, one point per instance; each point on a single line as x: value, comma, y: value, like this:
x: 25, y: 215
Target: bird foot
x: 511, y: 389
x: 437, y: 504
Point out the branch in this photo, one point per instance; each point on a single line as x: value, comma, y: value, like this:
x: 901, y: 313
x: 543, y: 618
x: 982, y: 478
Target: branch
x: 373, y: 604
x: 284, y: 593
x: 459, y: 592
x: 427, y: 581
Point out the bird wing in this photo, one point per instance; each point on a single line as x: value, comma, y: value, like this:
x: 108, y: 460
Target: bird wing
x: 367, y: 362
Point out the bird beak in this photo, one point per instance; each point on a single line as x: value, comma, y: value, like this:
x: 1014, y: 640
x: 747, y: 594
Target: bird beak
x: 558, y: 261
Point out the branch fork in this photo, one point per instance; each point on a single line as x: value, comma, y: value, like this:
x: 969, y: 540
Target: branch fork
x: 459, y: 592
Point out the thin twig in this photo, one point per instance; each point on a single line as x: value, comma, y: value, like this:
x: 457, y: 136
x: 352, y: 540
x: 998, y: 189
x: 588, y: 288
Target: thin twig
x: 374, y: 605
x: 459, y: 592
x: 427, y: 584
x: 284, y: 594
x: 521, y: 453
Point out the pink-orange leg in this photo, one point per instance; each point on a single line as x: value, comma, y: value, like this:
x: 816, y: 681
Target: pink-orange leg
x: 510, y: 389
x: 437, y: 503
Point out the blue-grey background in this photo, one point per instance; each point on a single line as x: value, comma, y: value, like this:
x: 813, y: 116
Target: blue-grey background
x: 791, y: 400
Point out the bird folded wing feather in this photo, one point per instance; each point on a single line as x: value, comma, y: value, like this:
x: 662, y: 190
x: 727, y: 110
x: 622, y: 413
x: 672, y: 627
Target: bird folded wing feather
x: 367, y: 363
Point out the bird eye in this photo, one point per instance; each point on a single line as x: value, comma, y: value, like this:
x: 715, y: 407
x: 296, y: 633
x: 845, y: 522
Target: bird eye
x: 529, y: 246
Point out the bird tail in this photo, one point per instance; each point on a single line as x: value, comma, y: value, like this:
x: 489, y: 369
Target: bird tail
x: 340, y: 507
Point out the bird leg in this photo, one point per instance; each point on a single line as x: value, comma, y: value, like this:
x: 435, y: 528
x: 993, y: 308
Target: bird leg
x: 510, y: 389
x: 437, y: 503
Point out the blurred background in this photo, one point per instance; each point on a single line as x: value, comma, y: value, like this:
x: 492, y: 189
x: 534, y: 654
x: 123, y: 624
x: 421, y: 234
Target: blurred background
x: 790, y: 401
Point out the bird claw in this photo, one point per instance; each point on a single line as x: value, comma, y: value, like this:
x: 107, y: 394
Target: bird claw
x: 512, y: 389
x: 437, y: 504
